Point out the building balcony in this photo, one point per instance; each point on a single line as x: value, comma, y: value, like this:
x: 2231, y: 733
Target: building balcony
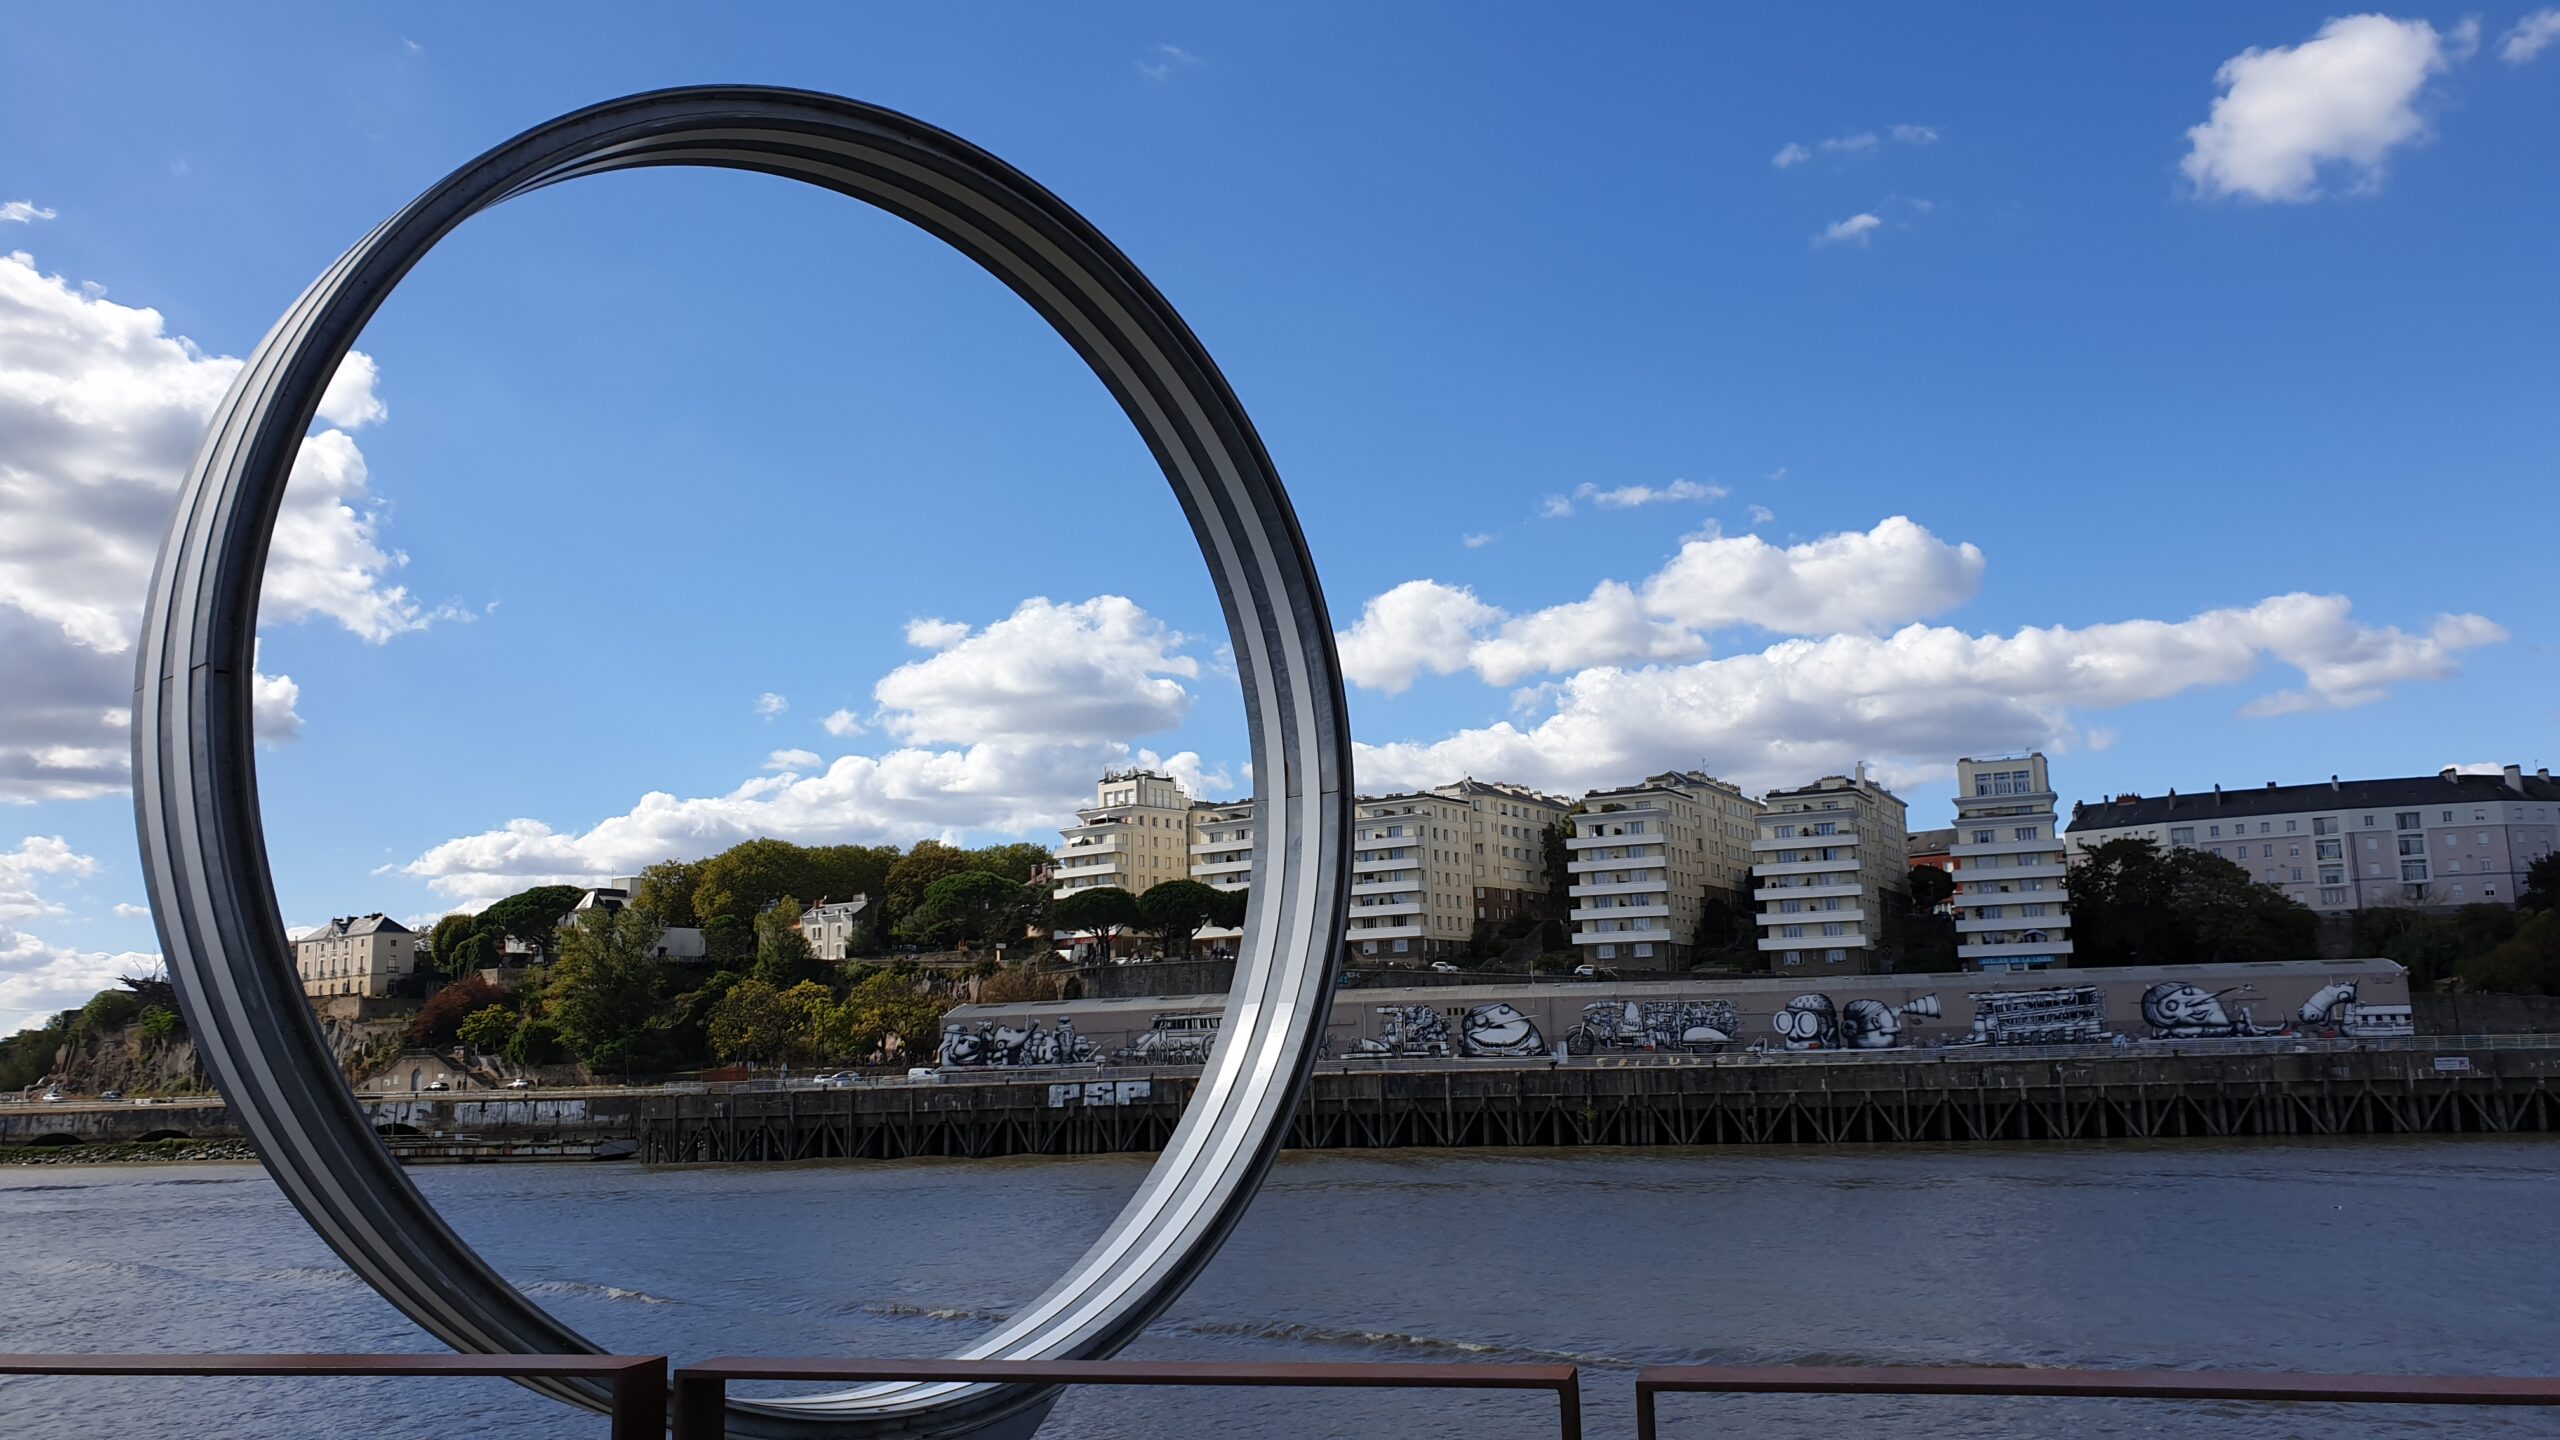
x: 1614, y: 836
x: 1854, y: 915
x: 1389, y: 885
x: 1407, y: 905
x: 1852, y: 941
x: 2059, y: 948
x: 1589, y: 936
x: 1621, y: 912
x: 1372, y: 867
x: 2014, y: 921
x: 1963, y: 848
x: 1997, y: 874
x: 1640, y: 882
x: 1845, y: 835
x: 1589, y: 864
x: 1361, y: 936
x: 1803, y: 867
x: 1842, y: 890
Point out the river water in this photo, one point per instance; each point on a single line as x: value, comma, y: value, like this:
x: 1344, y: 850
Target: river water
x: 2366, y: 1255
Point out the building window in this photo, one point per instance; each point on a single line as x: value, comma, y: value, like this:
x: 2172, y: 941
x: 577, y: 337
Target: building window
x: 2216, y: 831
x: 2413, y: 869
x: 2289, y: 827
x: 2406, y: 820
x: 2182, y: 835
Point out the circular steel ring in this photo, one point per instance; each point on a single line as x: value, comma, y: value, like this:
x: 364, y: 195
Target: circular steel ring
x: 204, y: 845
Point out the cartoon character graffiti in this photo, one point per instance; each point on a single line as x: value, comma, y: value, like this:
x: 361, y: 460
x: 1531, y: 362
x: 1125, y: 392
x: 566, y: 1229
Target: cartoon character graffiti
x: 2056, y: 1015
x: 992, y: 1045
x: 2335, y: 1010
x: 1184, y: 1038
x: 1500, y: 1031
x: 2177, y: 1010
x: 1692, y: 1025
x: 1875, y: 1025
x: 1809, y: 1022
x: 1405, y: 1031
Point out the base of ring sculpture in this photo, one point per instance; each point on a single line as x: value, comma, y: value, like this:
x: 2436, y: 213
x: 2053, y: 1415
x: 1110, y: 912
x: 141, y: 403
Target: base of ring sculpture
x: 204, y: 848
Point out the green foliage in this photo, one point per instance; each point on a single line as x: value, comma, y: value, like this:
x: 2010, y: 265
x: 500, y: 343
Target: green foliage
x: 1099, y: 910
x: 1930, y: 887
x: 1175, y: 910
x: 1016, y: 862
x: 487, y: 1029
x: 2436, y: 948
x: 536, y: 1042
x: 109, y: 1010
x: 2541, y: 884
x: 771, y: 1024
x: 446, y: 939
x: 475, y: 951
x: 2527, y: 963
x: 1010, y: 984
x: 666, y: 891
x: 1557, y: 860
x: 160, y: 1024
x: 915, y: 872
x: 1229, y: 911
x: 1722, y: 927
x: 606, y: 987
x: 887, y: 1008
x: 973, y: 907
x: 531, y: 916
x: 1928, y: 944
x: 439, y: 1021
x: 2133, y: 903
x: 28, y: 1056
x: 729, y: 943
x: 783, y: 956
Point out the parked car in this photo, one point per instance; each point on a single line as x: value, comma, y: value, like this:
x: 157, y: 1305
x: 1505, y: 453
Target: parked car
x: 519, y: 1083
x: 110, y: 1094
x: 924, y: 1072
x: 1586, y: 969
x: 1444, y: 967
x: 438, y: 1085
x: 56, y: 1097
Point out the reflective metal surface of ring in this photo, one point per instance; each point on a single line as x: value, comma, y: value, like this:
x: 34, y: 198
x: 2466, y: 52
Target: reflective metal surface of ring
x: 195, y: 774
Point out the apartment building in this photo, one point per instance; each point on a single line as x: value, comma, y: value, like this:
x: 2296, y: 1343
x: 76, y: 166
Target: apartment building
x: 2449, y: 839
x: 1221, y: 852
x: 1831, y: 866
x: 1411, y: 883
x: 1136, y: 834
x: 356, y: 955
x: 1506, y: 850
x: 833, y: 927
x: 1644, y: 858
x: 2011, y: 901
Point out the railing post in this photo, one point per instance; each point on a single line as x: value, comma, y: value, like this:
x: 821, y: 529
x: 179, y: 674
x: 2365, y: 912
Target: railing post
x: 702, y: 1406
x: 1569, y: 1404
x: 1644, y: 1407
x: 640, y: 1401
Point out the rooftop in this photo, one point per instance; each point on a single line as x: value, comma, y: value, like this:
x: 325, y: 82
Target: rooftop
x: 2445, y: 787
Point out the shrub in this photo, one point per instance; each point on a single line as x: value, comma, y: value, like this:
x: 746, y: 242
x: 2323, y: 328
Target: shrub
x: 439, y: 1021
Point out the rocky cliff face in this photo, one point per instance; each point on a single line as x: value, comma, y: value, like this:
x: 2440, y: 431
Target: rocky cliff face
x: 126, y: 1059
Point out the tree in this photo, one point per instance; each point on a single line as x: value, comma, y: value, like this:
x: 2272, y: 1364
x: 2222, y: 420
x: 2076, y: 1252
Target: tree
x: 439, y: 1022
x: 729, y: 943
x: 972, y: 907
x: 741, y: 880
x: 771, y: 1024
x: 536, y: 1042
x: 605, y: 989
x: 160, y: 1024
x: 1016, y: 862
x: 1930, y: 887
x: 783, y: 956
x: 914, y: 873
x: 2541, y: 884
x: 1099, y: 911
x: 888, y: 1006
x: 1558, y: 862
x: 2526, y: 964
x: 444, y: 942
x: 2133, y: 903
x: 666, y: 891
x: 1722, y: 926
x: 488, y: 1029
x: 1231, y: 907
x: 531, y: 916
x: 1175, y: 910
x: 840, y: 872
x: 1011, y: 983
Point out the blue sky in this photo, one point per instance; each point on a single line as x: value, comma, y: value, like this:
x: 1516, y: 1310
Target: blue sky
x: 2187, y: 381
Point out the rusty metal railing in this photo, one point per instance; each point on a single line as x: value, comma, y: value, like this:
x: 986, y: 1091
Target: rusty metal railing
x: 2243, y: 1385
x: 701, y: 1391
x: 639, y: 1382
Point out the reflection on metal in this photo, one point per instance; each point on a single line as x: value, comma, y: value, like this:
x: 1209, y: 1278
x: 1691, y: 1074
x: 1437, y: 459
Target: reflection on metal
x: 195, y: 784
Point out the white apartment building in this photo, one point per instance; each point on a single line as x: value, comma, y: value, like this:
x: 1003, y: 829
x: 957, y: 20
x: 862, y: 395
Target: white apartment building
x: 1831, y: 871
x: 1410, y: 880
x: 2448, y: 839
x: 1644, y: 858
x: 1506, y: 852
x: 1136, y: 835
x: 356, y: 955
x: 2011, y: 902
x: 832, y: 926
x: 1222, y: 853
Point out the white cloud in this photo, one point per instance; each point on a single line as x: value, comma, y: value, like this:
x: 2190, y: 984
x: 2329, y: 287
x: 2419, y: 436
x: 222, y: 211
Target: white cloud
x: 842, y: 723
x: 1627, y: 497
x: 1789, y: 154
x: 412, y: 46
x: 1761, y: 514
x: 1895, y: 572
x: 37, y: 979
x: 1029, y: 710
x: 23, y: 212
x: 769, y: 704
x: 1914, y: 135
x: 1475, y: 540
x: 1812, y: 706
x: 1859, y: 143
x: 1853, y: 230
x: 936, y: 634
x: 36, y: 855
x: 1161, y: 61
x: 2529, y: 37
x: 2345, y: 99
x: 126, y: 910
x: 1555, y: 507
x: 2475, y: 767
x: 100, y: 412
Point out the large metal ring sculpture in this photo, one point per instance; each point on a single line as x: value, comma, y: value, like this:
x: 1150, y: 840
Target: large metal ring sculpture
x: 204, y: 845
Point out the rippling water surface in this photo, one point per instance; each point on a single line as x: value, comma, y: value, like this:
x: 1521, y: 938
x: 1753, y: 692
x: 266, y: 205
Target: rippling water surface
x: 2410, y: 1255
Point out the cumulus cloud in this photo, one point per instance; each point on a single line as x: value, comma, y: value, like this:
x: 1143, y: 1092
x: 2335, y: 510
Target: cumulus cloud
x: 1914, y: 135
x: 842, y: 723
x: 1627, y: 497
x: 36, y: 978
x: 2341, y: 101
x: 1894, y: 572
x: 769, y: 704
x: 2526, y: 40
x: 936, y: 634
x: 1811, y: 706
x: 1852, y: 231
x: 100, y: 412
x: 1005, y: 728
x: 1161, y: 61
x: 1555, y: 507
x: 1761, y: 514
x: 1790, y: 154
x: 1475, y: 540
x: 22, y: 212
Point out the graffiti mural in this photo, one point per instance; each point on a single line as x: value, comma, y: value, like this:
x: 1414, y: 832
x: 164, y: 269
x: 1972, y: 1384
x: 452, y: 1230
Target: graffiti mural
x: 1405, y: 1032
x: 993, y: 1044
x: 1816, y: 1022
x: 1501, y: 1031
x: 2056, y: 1015
x: 2180, y: 1010
x: 2334, y: 1010
x: 1621, y: 1025
x: 1178, y: 1039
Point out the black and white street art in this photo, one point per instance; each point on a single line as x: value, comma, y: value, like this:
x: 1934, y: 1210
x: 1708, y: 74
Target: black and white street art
x: 1816, y: 1022
x: 1500, y: 1031
x: 1694, y: 1026
x: 1178, y: 1039
x: 2179, y: 1010
x: 1405, y: 1032
x: 2334, y: 1010
x: 993, y: 1045
x: 2054, y: 1015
